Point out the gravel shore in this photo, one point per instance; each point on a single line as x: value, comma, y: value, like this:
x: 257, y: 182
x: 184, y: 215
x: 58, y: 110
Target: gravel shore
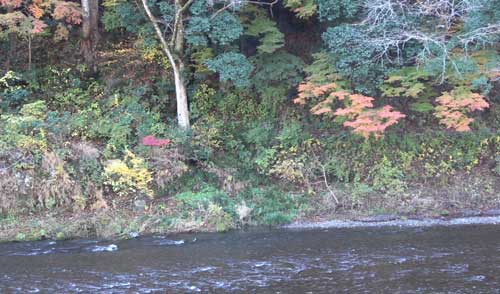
x: 480, y: 220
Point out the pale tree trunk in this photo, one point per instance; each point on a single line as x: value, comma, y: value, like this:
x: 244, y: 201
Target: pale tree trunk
x: 90, y: 32
x: 176, y: 63
x: 181, y: 97
x: 180, y: 84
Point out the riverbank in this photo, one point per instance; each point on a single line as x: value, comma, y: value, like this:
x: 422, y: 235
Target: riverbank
x: 126, y: 224
x: 467, y: 198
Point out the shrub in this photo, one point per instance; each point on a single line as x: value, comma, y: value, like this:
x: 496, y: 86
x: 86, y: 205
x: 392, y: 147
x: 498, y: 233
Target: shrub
x: 128, y: 177
x: 26, y: 130
x: 13, y: 92
x: 388, y: 178
x: 209, y: 206
x: 202, y: 199
x: 271, y: 205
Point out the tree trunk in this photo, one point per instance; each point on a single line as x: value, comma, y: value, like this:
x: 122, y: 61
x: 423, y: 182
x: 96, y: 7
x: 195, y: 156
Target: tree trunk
x: 177, y: 68
x: 90, y: 32
x: 12, y: 45
x: 180, y: 83
x: 29, y: 52
x: 181, y: 97
x: 94, y: 22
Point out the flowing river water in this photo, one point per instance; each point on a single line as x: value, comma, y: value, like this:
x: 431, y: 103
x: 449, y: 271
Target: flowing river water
x: 442, y: 259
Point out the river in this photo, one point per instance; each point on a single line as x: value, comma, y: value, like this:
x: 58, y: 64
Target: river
x: 454, y: 259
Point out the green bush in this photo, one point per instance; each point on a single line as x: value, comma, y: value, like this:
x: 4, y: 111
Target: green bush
x: 271, y: 206
x: 206, y: 196
x: 209, y: 206
x: 25, y: 130
x: 388, y: 178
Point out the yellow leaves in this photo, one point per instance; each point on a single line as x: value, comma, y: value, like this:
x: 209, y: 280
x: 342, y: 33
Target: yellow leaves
x: 128, y: 176
x: 61, y: 33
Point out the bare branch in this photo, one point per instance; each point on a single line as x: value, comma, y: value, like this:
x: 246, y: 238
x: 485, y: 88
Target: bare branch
x: 237, y: 3
x: 427, y: 22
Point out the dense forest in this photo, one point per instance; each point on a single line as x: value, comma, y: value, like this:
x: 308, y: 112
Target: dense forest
x: 120, y: 116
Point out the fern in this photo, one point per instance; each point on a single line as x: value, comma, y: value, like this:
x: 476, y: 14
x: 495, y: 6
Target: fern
x: 304, y: 9
x: 258, y: 24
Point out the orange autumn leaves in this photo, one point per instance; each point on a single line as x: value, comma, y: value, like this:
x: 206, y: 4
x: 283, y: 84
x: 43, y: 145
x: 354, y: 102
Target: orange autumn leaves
x: 11, y: 3
x: 358, y: 111
x: 454, y: 106
x: 35, y: 10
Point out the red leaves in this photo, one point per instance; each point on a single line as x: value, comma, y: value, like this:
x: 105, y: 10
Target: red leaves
x: 38, y: 26
x: 32, y: 12
x: 69, y: 11
x: 454, y: 106
x: 374, y: 121
x: 309, y: 90
x: 153, y: 141
x: 358, y: 108
x: 11, y: 3
x: 358, y: 104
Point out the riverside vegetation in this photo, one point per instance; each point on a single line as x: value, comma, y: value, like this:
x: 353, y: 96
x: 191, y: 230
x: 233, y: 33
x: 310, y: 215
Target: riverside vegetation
x: 119, y: 117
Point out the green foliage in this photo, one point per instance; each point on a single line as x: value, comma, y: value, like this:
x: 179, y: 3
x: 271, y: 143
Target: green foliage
x: 354, y: 57
x: 322, y: 70
x: 225, y: 28
x: 196, y: 31
x: 12, y: 91
x: 335, y: 10
x: 304, y: 9
x: 388, y: 178
x: 25, y: 131
x: 497, y: 166
x: 119, y: 123
x: 238, y: 105
x: 249, y: 153
x: 485, y: 14
x: 203, y: 101
x: 414, y: 84
x: 233, y: 67
x: 279, y: 69
x: 203, y: 198
x: 275, y: 75
x: 199, y: 59
x: 122, y: 15
x: 408, y: 82
x: 199, y: 7
x: 257, y: 24
x: 292, y: 160
x: 273, y: 206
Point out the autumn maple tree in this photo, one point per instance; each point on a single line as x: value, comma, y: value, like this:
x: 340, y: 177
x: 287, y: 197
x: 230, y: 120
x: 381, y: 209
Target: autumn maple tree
x: 29, y: 18
x: 358, y: 111
x: 454, y: 106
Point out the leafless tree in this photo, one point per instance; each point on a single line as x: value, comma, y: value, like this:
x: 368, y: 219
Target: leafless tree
x: 430, y: 23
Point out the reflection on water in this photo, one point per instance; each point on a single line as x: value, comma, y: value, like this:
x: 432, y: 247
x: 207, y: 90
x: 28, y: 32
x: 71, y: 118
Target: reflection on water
x: 370, y: 260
